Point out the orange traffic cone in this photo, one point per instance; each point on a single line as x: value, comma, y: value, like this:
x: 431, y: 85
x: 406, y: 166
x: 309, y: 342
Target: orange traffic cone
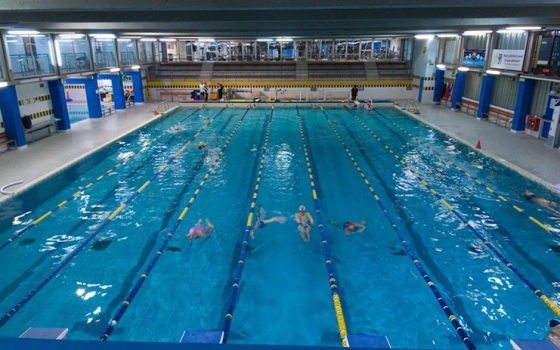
x: 478, y: 146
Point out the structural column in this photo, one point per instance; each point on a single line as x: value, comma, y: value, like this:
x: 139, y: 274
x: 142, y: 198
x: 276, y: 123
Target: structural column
x: 11, y: 115
x: 458, y: 89
x: 522, y: 104
x: 92, y: 94
x: 137, y: 88
x: 118, y: 89
x: 438, y: 87
x: 485, y: 96
x: 58, y: 99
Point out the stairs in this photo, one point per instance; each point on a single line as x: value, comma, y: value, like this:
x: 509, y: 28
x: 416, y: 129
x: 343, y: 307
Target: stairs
x: 207, y: 71
x: 371, y: 70
x: 302, y: 71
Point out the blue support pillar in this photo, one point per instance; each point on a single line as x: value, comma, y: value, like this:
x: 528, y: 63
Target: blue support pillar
x: 11, y: 115
x: 420, y: 89
x: 458, y: 89
x: 118, y: 89
x: 485, y: 96
x: 60, y: 108
x: 523, y: 104
x: 137, y: 88
x: 92, y: 95
x: 438, y: 87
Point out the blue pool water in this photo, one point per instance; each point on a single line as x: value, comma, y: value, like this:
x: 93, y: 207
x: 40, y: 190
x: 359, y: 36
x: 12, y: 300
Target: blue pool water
x: 75, y: 268
x: 77, y: 113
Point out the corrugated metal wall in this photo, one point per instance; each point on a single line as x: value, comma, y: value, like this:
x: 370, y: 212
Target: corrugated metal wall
x: 477, y: 42
x: 505, y: 91
x: 473, y: 85
x: 512, y: 41
x: 540, y: 97
x: 450, y: 53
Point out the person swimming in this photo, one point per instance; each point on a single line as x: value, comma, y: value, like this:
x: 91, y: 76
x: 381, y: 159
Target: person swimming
x: 199, y: 230
x: 350, y: 227
x: 304, y: 222
x: 262, y: 221
x: 542, y: 201
x: 201, y: 145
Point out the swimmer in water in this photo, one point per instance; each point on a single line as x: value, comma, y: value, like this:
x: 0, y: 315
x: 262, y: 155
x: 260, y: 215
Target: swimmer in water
x: 543, y: 202
x: 201, y: 145
x: 304, y: 222
x: 262, y: 221
x: 350, y: 227
x: 199, y: 230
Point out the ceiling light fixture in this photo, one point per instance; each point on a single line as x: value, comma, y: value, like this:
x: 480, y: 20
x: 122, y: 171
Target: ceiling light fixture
x: 148, y: 39
x: 103, y: 36
x: 477, y: 32
x: 424, y: 36
x: 493, y: 72
x: 23, y: 32
x: 447, y: 35
x: 523, y: 28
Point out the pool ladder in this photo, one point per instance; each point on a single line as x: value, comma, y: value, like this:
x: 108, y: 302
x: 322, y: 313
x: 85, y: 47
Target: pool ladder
x: 412, y: 107
x: 163, y: 106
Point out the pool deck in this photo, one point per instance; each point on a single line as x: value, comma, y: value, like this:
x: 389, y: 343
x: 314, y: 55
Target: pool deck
x: 37, y: 161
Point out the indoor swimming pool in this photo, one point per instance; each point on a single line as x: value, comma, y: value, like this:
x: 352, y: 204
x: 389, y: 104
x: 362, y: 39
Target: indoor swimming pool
x: 452, y: 255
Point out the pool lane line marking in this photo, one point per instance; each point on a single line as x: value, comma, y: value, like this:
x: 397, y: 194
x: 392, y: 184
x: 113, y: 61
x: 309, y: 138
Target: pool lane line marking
x: 444, y: 305
x: 136, y: 287
x: 21, y: 231
x: 470, y: 176
x: 54, y: 271
x: 325, y: 246
x: 241, y: 261
x: 501, y: 257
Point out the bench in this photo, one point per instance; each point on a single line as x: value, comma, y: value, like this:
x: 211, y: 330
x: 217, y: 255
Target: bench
x: 106, y: 110
x: 185, y: 94
x: 468, y: 105
x: 499, y: 116
x: 5, y: 141
x: 42, y: 125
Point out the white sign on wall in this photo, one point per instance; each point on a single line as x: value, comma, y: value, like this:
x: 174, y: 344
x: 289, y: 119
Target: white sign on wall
x: 507, y: 59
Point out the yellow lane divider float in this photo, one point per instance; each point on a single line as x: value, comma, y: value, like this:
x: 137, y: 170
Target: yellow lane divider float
x: 54, y: 271
x: 445, y: 307
x: 502, y: 258
x: 126, y: 303
x: 23, y: 230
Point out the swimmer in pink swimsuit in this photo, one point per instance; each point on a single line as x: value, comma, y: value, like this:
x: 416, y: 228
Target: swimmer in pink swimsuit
x: 199, y: 230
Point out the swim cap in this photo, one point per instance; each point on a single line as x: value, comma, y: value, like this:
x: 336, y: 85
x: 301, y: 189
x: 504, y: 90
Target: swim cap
x: 301, y: 208
x: 553, y: 323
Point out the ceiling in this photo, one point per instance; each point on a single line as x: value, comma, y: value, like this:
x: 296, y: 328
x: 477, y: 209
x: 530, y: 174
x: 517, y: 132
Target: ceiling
x: 237, y: 19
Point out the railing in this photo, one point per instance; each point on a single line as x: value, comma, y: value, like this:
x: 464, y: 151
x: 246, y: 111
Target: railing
x: 74, y: 62
x: 105, y: 60
x: 31, y: 65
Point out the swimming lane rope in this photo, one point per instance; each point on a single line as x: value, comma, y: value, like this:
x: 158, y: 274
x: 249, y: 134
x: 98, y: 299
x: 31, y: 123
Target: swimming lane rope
x: 241, y: 262
x: 7, y: 316
x: 134, y: 290
x: 502, y: 258
x: 22, y: 231
x: 478, y: 181
x: 328, y: 261
x: 445, y: 307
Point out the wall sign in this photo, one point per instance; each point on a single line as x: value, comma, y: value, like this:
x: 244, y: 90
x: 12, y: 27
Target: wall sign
x: 508, y: 59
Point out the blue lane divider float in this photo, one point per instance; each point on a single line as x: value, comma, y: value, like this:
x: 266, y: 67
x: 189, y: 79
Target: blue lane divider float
x: 328, y: 261
x: 132, y: 294
x: 502, y: 258
x: 241, y: 262
x: 23, y: 230
x: 478, y: 181
x: 444, y: 305
x: 7, y: 316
